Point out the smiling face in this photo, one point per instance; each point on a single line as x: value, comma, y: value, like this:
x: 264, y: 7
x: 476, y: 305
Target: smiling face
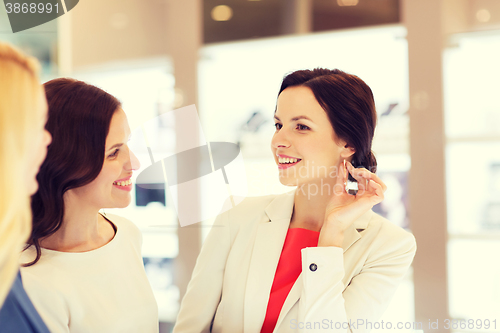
x: 111, y: 188
x: 304, y: 145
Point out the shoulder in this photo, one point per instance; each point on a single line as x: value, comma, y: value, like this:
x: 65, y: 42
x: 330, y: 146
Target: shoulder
x: 390, y: 236
x: 47, y: 264
x: 245, y: 210
x: 128, y: 232
x: 123, y: 224
x: 251, y: 205
x: 242, y: 217
x: 52, y: 291
x: 49, y: 272
x: 46, y: 282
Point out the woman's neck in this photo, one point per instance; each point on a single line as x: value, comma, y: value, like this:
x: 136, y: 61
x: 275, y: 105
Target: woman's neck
x: 82, y: 229
x: 310, y: 204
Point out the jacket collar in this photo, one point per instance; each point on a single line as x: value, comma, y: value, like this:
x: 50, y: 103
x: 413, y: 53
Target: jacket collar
x: 281, y: 208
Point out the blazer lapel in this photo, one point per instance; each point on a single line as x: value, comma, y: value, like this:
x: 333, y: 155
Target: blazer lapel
x: 351, y: 235
x: 271, y: 234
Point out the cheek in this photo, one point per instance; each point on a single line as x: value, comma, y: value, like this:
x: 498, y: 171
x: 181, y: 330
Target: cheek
x: 106, y: 177
x: 323, y: 152
x: 98, y: 185
x: 111, y: 171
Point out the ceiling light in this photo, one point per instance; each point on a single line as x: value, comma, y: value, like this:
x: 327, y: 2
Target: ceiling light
x: 347, y: 2
x: 483, y: 15
x: 222, y: 13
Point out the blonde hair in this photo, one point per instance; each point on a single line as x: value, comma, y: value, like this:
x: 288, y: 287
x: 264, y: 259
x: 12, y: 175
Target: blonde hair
x: 19, y: 97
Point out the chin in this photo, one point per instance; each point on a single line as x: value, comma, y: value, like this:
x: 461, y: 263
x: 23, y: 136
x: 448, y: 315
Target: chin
x: 124, y: 203
x: 288, y: 181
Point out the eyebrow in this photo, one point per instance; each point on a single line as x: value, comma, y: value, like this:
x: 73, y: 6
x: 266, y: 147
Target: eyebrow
x: 294, y: 118
x: 120, y: 144
x: 116, y: 146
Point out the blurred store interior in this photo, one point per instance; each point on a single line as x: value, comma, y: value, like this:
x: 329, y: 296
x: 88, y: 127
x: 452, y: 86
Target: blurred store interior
x: 433, y: 66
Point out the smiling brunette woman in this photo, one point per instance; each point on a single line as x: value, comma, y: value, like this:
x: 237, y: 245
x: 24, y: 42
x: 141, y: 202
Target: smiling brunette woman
x: 84, y: 271
x: 316, y: 259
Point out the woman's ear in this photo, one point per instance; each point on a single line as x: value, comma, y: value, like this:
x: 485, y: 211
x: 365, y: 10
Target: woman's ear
x: 347, y: 151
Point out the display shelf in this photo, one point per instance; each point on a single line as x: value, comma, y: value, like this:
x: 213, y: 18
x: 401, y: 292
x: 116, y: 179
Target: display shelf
x: 472, y: 115
x: 473, y: 187
x: 472, y: 108
x: 476, y: 236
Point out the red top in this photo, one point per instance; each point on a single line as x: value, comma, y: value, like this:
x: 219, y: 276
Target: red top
x: 287, y: 272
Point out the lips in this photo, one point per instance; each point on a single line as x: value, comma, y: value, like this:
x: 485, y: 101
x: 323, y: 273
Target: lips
x: 286, y: 161
x: 286, y: 156
x: 123, y: 182
x: 123, y: 179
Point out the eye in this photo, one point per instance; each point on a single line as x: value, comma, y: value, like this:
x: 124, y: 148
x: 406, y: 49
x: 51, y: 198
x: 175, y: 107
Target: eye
x: 277, y: 125
x: 302, y: 127
x: 114, y: 153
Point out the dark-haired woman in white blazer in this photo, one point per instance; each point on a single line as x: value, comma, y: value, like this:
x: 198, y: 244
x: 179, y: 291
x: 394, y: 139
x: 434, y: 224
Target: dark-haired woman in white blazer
x: 316, y: 259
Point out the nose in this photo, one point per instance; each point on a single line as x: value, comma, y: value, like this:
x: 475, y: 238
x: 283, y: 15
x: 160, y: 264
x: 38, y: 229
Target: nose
x: 134, y: 161
x: 280, y: 139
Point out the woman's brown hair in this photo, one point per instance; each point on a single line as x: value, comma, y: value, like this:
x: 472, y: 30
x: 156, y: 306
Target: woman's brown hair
x: 79, y: 119
x: 349, y: 104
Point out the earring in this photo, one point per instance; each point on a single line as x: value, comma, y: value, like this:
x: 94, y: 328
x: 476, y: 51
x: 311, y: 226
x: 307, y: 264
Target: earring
x: 351, y: 187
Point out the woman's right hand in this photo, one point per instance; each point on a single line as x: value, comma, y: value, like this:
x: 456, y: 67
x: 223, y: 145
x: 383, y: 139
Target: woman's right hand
x: 343, y: 209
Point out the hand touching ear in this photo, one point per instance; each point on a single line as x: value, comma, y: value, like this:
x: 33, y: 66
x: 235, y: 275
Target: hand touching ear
x: 343, y: 208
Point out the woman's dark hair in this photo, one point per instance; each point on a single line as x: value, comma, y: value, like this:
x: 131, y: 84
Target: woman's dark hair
x: 79, y: 119
x: 349, y: 104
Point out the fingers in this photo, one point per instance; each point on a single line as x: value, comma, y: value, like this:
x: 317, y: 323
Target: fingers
x: 377, y: 188
x: 344, y: 207
x: 339, y: 187
x: 362, y: 175
x: 357, y: 207
x: 368, y: 199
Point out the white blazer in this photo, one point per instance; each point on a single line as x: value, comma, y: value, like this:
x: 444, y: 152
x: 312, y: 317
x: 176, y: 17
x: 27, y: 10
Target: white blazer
x: 231, y: 282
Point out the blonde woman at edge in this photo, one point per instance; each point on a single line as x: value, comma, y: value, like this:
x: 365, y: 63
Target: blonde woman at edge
x: 23, y: 146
